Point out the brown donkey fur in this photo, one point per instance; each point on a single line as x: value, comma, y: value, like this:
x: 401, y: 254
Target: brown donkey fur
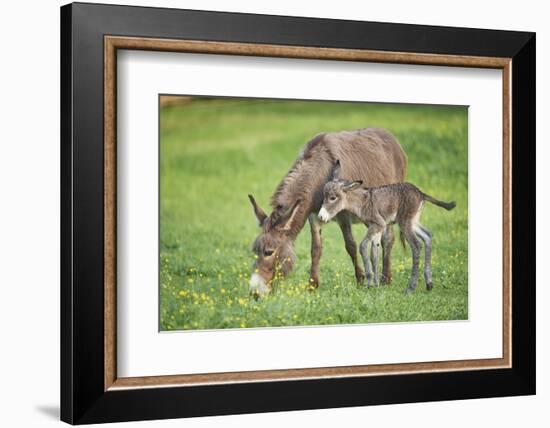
x: 372, y: 155
x: 379, y: 207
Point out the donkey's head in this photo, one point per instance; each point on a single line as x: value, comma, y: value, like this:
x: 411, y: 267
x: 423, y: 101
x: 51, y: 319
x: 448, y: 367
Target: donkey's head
x: 335, y: 194
x: 273, y: 248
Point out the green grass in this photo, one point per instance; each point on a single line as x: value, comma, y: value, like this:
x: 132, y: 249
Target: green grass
x: 214, y: 152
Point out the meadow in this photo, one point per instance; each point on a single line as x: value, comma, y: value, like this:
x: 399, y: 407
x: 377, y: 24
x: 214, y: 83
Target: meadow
x: 213, y: 152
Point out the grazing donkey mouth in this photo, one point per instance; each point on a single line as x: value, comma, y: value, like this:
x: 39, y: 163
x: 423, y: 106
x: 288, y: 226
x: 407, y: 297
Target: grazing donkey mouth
x: 258, y: 286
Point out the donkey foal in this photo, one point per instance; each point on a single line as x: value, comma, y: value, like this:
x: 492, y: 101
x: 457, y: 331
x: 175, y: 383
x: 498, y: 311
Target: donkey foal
x: 379, y: 207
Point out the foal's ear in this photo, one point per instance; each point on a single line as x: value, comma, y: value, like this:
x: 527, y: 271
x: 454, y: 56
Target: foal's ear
x: 352, y: 185
x: 336, y: 170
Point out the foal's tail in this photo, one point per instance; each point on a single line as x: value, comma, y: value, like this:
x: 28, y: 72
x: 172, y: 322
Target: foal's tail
x: 402, y: 239
x: 447, y: 205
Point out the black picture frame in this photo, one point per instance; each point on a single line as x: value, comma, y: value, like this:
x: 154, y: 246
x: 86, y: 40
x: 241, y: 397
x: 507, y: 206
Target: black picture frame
x: 83, y: 398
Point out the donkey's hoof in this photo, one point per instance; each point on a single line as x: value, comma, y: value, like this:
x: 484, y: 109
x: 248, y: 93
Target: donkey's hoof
x: 313, y: 284
x: 429, y: 286
x: 409, y: 291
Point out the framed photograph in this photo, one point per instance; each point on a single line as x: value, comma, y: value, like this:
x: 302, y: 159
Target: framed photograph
x: 265, y: 213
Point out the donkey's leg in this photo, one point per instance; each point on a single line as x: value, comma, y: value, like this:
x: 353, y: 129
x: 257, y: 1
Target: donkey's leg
x: 316, y: 249
x: 351, y: 247
x: 416, y: 247
x: 426, y: 236
x: 388, y: 238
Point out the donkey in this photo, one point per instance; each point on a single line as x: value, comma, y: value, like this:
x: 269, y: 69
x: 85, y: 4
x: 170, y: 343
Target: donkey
x: 379, y: 207
x: 371, y: 154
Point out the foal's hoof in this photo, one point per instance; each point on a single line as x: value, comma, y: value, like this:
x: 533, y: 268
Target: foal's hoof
x: 360, y: 277
x: 429, y: 286
x: 386, y: 279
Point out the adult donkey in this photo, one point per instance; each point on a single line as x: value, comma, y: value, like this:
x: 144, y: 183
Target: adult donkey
x: 372, y: 155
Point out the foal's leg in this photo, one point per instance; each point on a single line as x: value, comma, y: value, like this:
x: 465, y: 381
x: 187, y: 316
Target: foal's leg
x: 364, y: 248
x: 388, y: 238
x: 426, y: 236
x: 377, y: 236
x: 373, y: 263
x: 316, y: 249
x: 344, y: 222
x: 416, y: 247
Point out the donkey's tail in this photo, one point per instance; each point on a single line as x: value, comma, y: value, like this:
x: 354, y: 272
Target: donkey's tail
x: 447, y: 205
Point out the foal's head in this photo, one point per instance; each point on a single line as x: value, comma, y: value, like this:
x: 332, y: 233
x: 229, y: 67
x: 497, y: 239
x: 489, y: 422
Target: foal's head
x: 335, y: 194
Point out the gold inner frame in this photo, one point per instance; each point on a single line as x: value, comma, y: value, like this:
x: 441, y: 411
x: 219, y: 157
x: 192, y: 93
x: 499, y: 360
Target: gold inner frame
x: 113, y: 43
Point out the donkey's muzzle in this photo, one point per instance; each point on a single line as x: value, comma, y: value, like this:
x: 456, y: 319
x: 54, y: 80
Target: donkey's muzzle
x: 258, y: 287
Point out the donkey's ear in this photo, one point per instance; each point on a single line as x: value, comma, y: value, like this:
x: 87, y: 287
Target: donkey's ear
x: 336, y: 170
x: 352, y: 185
x: 260, y: 214
x: 291, y: 214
